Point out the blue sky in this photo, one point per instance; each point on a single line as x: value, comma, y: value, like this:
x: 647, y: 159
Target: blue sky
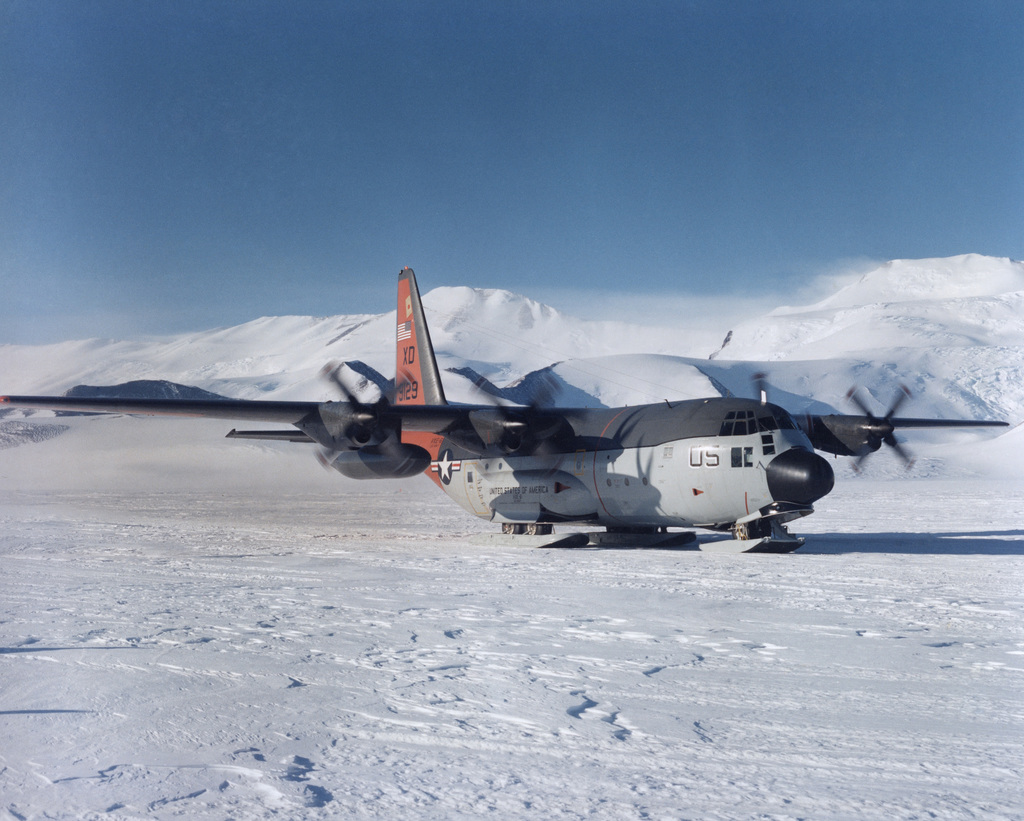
x: 172, y: 166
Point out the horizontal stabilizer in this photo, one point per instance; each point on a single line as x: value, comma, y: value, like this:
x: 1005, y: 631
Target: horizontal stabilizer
x: 272, y: 435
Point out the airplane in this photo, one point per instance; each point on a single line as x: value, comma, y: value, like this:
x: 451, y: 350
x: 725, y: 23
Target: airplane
x: 734, y: 465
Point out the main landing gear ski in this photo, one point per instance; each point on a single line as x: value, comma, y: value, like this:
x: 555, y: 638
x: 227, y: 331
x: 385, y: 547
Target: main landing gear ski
x: 764, y: 535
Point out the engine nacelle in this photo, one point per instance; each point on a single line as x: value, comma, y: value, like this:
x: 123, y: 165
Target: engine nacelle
x: 845, y: 435
x: 340, y: 426
x: 393, y: 460
x: 515, y: 430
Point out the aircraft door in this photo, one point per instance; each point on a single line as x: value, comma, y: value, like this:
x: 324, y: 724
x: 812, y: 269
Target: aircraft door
x: 475, y: 489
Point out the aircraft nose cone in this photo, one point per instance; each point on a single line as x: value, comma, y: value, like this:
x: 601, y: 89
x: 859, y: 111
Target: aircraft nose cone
x: 799, y: 476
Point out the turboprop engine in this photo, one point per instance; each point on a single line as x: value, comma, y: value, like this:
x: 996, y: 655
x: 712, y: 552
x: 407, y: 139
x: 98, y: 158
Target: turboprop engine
x: 513, y: 430
x: 342, y: 426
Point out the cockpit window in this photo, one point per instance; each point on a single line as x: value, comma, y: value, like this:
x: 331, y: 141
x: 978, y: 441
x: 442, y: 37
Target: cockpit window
x: 742, y: 423
x: 738, y: 423
x: 786, y: 421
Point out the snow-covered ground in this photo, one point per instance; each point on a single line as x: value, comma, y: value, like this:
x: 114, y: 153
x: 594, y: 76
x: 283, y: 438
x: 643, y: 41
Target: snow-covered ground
x: 197, y: 629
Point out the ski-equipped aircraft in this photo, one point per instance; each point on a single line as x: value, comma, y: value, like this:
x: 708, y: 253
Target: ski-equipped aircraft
x: 742, y: 466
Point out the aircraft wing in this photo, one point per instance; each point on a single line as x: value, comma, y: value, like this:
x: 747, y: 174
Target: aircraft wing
x: 901, y: 422
x: 331, y: 424
x: 241, y: 409
x: 336, y: 426
x: 857, y: 435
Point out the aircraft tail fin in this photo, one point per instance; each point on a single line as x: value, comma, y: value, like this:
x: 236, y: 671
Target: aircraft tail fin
x: 417, y: 379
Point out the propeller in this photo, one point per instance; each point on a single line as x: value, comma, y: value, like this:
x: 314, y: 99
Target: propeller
x: 514, y: 428
x: 363, y: 423
x: 879, y: 431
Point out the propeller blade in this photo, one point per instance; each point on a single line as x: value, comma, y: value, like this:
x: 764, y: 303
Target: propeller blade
x: 808, y: 424
x: 332, y: 372
x: 542, y: 395
x: 902, y: 395
x: 908, y: 460
x: 854, y: 396
x: 880, y: 431
x: 326, y: 457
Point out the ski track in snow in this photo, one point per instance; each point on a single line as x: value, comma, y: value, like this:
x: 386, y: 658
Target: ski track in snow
x: 248, y: 656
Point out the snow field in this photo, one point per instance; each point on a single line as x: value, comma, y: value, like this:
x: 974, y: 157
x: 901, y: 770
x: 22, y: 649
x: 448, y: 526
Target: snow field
x: 215, y: 654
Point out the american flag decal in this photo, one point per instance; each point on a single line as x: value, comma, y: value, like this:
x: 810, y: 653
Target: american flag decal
x: 404, y: 331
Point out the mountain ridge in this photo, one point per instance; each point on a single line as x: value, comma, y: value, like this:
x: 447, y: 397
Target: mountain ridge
x: 961, y: 355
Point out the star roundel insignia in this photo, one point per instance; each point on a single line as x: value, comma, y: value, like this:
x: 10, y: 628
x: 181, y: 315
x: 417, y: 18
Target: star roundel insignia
x: 445, y: 465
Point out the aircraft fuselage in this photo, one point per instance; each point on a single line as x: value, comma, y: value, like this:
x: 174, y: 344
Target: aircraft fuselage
x: 703, y: 463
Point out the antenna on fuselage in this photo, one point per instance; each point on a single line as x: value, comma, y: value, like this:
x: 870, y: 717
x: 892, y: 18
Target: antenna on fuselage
x: 761, y: 385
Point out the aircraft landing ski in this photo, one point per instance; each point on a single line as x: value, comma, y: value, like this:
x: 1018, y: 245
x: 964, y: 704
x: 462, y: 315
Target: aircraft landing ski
x: 662, y: 540
x: 560, y: 540
x: 767, y: 544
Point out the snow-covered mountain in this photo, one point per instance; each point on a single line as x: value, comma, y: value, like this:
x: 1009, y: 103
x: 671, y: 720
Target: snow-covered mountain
x: 499, y: 335
x: 952, y: 330
x: 959, y: 302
